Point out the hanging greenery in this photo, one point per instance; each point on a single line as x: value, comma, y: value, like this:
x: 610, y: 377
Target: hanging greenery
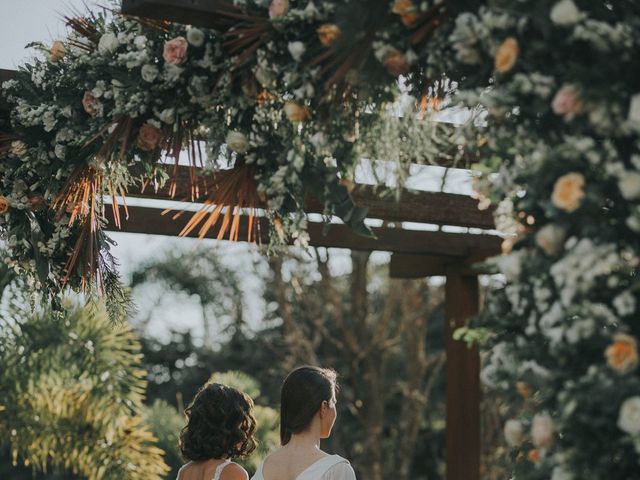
x: 276, y: 94
x: 555, y: 89
x: 72, y: 393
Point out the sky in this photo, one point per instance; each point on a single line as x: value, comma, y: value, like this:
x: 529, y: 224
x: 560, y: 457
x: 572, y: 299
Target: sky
x: 26, y: 21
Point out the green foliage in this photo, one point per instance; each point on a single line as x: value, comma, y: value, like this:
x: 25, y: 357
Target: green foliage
x: 165, y: 422
x: 72, y: 396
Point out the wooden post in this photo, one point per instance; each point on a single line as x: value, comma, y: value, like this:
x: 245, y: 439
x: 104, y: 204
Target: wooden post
x: 463, y: 379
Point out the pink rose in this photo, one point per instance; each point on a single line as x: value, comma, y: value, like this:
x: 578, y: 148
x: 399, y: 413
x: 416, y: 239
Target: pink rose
x: 90, y: 103
x: 175, y: 51
x: 148, y: 137
x: 278, y: 8
x: 566, y: 102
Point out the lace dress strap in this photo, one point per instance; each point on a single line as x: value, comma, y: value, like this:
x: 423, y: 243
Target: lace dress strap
x: 219, y: 469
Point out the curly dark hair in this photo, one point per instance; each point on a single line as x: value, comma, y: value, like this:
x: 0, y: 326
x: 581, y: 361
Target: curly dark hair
x: 220, y: 424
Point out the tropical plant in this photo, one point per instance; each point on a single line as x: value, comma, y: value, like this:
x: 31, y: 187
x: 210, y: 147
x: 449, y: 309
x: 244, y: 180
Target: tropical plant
x: 72, y: 396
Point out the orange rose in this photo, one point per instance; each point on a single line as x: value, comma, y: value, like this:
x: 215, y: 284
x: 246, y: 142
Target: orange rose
x: 534, y: 455
x: 328, y: 33
x: 524, y: 390
x: 4, y: 204
x: 568, y: 192
x: 407, y: 11
x: 396, y: 63
x: 296, y: 112
x: 148, y: 137
x: 507, y: 55
x: 622, y: 354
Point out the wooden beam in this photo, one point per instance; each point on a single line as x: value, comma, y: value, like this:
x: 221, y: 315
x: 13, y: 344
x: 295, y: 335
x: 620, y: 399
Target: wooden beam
x: 202, y: 13
x: 149, y: 220
x: 463, y: 379
x: 413, y: 206
x: 404, y: 265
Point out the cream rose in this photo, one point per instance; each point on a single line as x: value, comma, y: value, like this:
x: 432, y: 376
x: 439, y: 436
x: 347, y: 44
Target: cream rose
x: 550, y: 238
x: 407, y: 11
x: 629, y: 416
x: 237, y: 141
x: 507, y: 55
x: 278, y: 8
x: 629, y: 185
x: 195, y: 37
x: 108, y: 43
x: 568, y: 192
x: 148, y: 137
x: 622, y: 354
x: 57, y: 51
x: 542, y: 430
x: 149, y: 73
x: 90, y: 103
x: 175, y: 51
x: 296, y: 49
x: 565, y: 12
x: 513, y: 432
x: 566, y: 102
x: 328, y: 33
x: 18, y: 148
x: 296, y: 112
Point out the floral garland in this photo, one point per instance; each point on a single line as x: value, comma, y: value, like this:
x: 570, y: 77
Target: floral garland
x: 559, y: 120
x: 279, y: 92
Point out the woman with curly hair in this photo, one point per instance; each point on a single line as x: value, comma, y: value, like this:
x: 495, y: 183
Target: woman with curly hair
x: 220, y: 426
x: 307, y: 415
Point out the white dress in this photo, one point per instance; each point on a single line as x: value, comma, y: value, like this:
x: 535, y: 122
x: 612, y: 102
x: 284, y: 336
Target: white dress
x: 216, y: 474
x: 332, y: 467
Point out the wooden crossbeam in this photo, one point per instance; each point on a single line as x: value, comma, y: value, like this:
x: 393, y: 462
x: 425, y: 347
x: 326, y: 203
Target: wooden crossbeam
x: 202, y: 13
x: 149, y: 220
x: 412, y: 206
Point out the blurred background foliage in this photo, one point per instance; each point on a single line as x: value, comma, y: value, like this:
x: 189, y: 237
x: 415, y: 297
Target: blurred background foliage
x: 384, y: 336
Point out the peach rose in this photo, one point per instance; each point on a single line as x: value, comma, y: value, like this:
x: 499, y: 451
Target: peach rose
x: 396, y: 63
x: 622, y: 354
x: 278, y: 8
x: 90, y: 103
x: 18, y: 148
x: 534, y: 455
x: 4, y: 204
x: 506, y: 55
x: 296, y: 112
x: 328, y: 33
x: 524, y: 390
x: 57, y: 51
x: 175, y: 51
x: 407, y: 11
x: 542, y: 431
x: 148, y: 137
x: 566, y: 102
x: 568, y: 192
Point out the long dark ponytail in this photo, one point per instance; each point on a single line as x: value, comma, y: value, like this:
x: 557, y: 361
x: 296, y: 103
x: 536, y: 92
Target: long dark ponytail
x: 302, y: 394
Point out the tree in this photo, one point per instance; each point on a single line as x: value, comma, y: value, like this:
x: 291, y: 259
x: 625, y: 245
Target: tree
x: 72, y: 396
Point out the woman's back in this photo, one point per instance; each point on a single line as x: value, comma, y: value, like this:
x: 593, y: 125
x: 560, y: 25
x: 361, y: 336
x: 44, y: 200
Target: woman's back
x: 282, y: 466
x: 212, y: 470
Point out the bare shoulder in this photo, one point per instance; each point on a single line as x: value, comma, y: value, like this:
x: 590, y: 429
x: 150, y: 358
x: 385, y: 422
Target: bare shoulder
x: 233, y: 471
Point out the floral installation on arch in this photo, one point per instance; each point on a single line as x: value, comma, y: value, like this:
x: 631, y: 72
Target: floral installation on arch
x: 555, y: 94
x: 270, y: 101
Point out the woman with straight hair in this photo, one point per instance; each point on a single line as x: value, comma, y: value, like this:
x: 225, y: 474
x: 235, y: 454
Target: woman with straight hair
x: 307, y: 415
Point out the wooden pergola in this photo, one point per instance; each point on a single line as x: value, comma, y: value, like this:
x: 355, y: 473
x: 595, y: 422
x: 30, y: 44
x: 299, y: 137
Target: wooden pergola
x: 416, y: 253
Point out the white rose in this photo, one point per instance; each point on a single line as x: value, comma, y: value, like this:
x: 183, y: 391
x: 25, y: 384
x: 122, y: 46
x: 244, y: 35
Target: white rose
x: 318, y: 140
x: 60, y: 151
x: 296, y: 49
x: 565, y: 12
x: 167, y: 115
x: 629, y: 184
x: 510, y: 265
x: 513, y: 432
x: 550, y: 238
x: 559, y: 473
x: 634, y: 109
x: 108, y: 43
x: 237, y: 141
x: 140, y: 42
x: 149, y: 73
x: 542, y: 429
x: 264, y: 77
x: 629, y: 416
x: 195, y: 37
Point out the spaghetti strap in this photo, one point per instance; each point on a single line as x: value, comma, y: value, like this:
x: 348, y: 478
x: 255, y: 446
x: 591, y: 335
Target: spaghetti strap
x: 219, y: 469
